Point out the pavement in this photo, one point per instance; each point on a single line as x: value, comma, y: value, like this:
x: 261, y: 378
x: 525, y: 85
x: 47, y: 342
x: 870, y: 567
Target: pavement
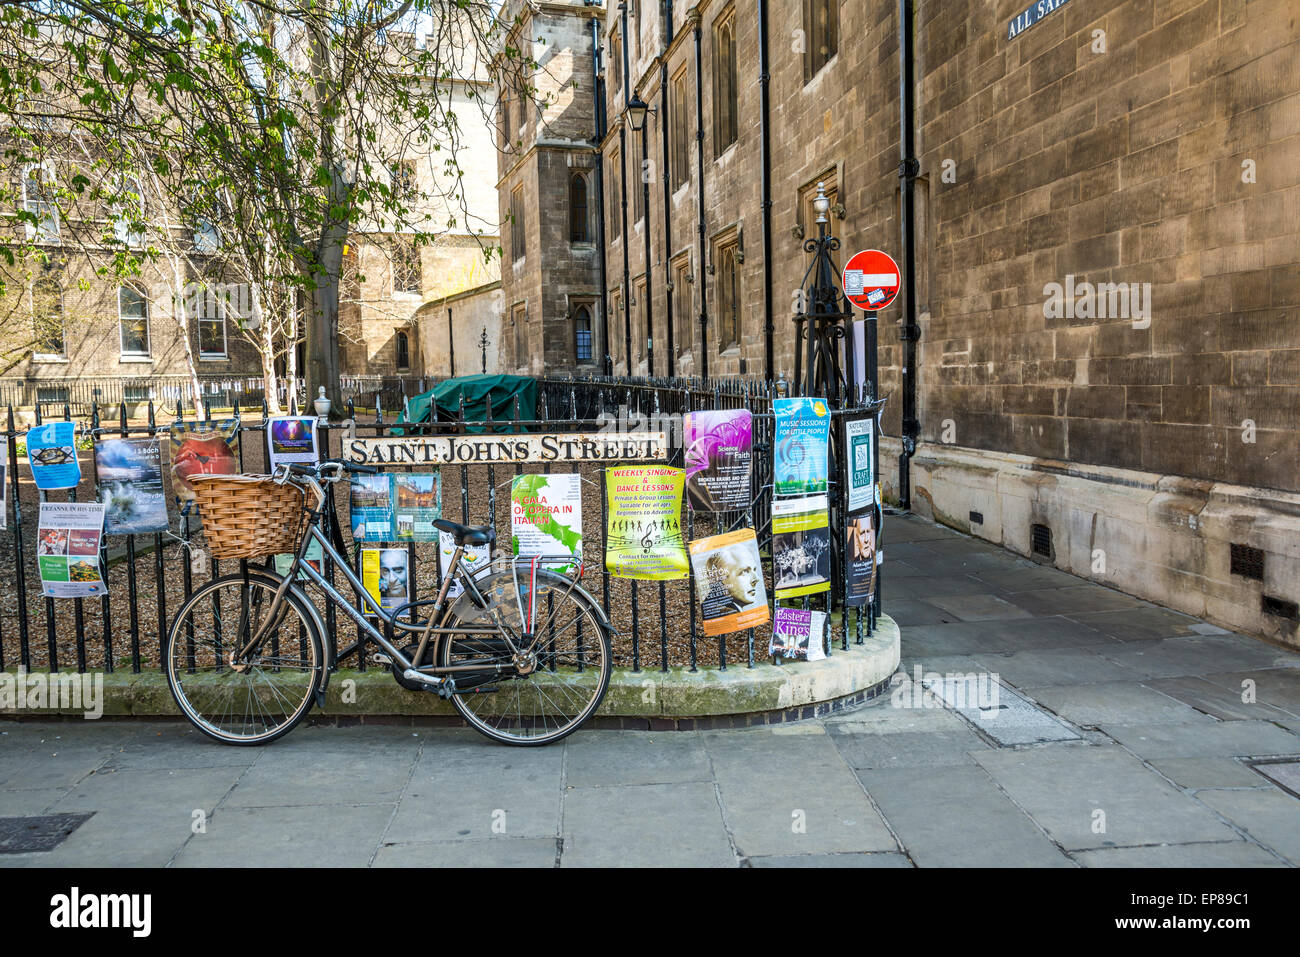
x: 1038, y: 720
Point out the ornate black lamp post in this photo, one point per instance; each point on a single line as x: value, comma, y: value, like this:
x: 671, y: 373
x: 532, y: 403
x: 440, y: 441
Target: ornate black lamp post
x: 823, y: 320
x: 482, y: 345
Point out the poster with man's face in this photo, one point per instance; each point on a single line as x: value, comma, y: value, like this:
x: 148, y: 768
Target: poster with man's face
x: 386, y: 574
x: 729, y: 583
x: 861, y: 564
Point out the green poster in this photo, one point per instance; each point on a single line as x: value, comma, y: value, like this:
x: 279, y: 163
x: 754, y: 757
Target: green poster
x: 546, y: 516
x: 644, y: 537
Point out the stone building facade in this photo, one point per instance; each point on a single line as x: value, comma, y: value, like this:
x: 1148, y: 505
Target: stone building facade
x: 1146, y: 440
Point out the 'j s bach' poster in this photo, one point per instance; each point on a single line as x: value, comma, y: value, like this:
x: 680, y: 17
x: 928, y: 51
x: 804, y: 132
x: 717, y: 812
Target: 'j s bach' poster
x: 131, y: 485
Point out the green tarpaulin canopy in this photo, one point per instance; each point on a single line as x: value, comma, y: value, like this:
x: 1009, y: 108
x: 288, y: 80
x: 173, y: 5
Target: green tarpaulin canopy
x: 442, y: 402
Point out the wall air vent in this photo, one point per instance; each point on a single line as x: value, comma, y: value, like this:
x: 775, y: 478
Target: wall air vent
x: 1041, y: 540
x: 1279, y: 607
x: 1246, y: 561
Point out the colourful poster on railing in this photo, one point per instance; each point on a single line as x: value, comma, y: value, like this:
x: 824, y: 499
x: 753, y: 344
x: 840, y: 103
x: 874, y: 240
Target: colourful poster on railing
x: 803, y: 431
x: 861, y: 562
x: 546, y: 516
x: 474, y: 559
x: 52, y: 454
x: 371, y: 506
x: 129, y: 472
x: 644, y: 534
x: 67, y: 549
x: 417, y: 504
x: 292, y: 439
x: 729, y: 583
x: 202, y: 448
x: 386, y: 575
x: 798, y: 634
x: 801, y: 546
x: 718, y: 459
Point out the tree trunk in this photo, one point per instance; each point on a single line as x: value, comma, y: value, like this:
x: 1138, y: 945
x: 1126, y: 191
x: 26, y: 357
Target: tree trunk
x: 322, y: 325
x: 268, y: 366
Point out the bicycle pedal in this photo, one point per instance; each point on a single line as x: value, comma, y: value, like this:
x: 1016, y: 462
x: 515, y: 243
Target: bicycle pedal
x: 382, y: 660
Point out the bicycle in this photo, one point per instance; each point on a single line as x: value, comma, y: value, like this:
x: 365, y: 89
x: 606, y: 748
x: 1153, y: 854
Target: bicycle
x: 523, y: 652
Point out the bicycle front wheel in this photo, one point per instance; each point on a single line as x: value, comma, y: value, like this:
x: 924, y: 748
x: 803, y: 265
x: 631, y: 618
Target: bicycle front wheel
x: 550, y: 693
x: 249, y: 699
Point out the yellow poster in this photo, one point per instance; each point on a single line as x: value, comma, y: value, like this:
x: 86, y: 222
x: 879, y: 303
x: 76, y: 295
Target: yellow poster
x: 644, y: 536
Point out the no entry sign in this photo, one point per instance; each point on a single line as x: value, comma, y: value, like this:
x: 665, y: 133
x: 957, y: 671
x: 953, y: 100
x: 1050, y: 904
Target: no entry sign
x: 871, y: 279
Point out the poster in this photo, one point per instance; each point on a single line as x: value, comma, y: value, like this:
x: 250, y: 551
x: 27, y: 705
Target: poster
x: 803, y: 429
x: 131, y: 485
x: 729, y: 582
x: 546, y: 516
x: 801, y: 546
x: 315, y: 557
x: 718, y: 459
x: 798, y: 634
x: 52, y: 454
x: 417, y: 498
x: 67, y: 549
x: 385, y: 572
x: 860, y: 582
x: 4, y: 495
x: 644, y: 537
x: 860, y: 469
x: 396, y: 507
x: 292, y: 439
x: 202, y: 448
x: 475, y: 559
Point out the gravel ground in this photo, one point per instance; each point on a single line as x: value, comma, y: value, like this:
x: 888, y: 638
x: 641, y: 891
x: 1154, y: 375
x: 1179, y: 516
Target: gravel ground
x: 634, y: 607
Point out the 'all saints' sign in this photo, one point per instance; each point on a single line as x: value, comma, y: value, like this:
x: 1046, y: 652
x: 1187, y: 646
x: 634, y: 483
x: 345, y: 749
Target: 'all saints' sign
x: 491, y: 449
x: 1029, y: 17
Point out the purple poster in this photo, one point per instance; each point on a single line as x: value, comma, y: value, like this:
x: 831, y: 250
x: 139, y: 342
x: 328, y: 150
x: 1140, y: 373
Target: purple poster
x: 718, y: 459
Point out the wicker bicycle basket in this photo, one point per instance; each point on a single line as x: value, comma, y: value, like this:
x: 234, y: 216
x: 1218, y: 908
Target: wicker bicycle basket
x: 248, y: 516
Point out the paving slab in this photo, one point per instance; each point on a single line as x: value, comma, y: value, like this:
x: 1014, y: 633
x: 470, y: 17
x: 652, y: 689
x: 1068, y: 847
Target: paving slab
x: 914, y: 612
x: 319, y: 836
x: 894, y: 588
x: 1171, y: 657
x: 957, y: 817
x: 1047, y: 667
x: 23, y: 803
x: 909, y: 749
x: 1071, y: 791
x: 885, y: 718
x: 461, y: 789
x: 651, y: 825
x: 874, y: 859
x: 1199, y: 740
x: 1078, y: 599
x: 635, y: 757
x: 1010, y: 579
x: 1285, y: 774
x: 1113, y: 702
x: 497, y: 852
x: 1141, y: 623
x: 1196, y: 773
x: 1217, y: 854
x: 1270, y: 816
x: 1223, y: 703
x: 1276, y: 687
x: 1002, y: 714
x: 979, y: 607
x: 283, y: 778
x: 793, y: 795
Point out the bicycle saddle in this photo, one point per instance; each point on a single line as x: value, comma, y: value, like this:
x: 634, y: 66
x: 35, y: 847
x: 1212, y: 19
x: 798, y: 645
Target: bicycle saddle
x: 467, y: 534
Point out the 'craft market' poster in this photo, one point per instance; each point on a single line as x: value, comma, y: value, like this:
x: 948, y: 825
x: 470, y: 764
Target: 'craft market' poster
x: 396, y: 507
x: 292, y: 440
x: 801, y: 546
x: 644, y: 537
x: 729, y: 582
x: 861, y: 564
x: 67, y: 549
x: 130, y: 478
x: 861, y: 462
x: 803, y: 429
x: 798, y: 634
x: 546, y: 516
x: 385, y: 573
x: 718, y: 459
x: 52, y: 454
x: 202, y: 448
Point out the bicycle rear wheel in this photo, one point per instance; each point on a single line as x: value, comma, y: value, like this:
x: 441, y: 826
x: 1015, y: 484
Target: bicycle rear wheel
x: 548, y: 696
x: 251, y: 701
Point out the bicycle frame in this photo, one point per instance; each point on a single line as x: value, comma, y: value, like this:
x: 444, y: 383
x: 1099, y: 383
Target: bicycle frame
x: 426, y: 629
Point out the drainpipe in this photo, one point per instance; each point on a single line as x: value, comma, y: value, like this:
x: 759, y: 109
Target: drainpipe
x: 598, y: 85
x: 645, y: 243
x: 622, y: 188
x: 907, y: 171
x: 765, y: 135
x: 701, y: 275
x: 666, y: 176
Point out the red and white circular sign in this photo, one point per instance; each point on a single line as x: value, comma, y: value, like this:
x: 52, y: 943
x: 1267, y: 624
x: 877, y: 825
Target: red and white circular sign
x: 871, y: 279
